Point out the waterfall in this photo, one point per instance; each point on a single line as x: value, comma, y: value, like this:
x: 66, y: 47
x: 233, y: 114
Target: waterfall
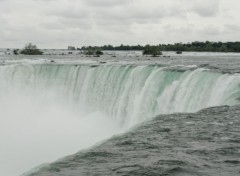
x: 127, y: 94
x: 52, y: 110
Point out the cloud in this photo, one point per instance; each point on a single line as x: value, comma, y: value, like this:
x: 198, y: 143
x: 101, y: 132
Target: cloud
x: 232, y: 27
x: 90, y: 22
x: 206, y: 8
x: 107, y: 3
x: 210, y: 30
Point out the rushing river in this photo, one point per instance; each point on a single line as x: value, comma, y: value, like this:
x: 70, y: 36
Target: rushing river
x: 53, y: 109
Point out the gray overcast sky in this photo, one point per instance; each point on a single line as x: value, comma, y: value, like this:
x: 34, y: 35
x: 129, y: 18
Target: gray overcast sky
x: 59, y: 23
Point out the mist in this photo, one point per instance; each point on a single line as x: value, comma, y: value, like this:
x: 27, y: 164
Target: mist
x: 35, y: 129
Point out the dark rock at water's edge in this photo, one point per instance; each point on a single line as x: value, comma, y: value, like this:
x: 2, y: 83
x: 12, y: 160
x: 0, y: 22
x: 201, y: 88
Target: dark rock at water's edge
x: 206, y: 143
x: 94, y: 65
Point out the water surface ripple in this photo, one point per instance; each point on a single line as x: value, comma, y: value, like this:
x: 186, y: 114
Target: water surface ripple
x: 192, y: 144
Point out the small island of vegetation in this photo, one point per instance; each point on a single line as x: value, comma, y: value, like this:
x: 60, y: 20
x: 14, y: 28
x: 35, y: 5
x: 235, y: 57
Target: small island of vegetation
x: 152, y: 50
x: 31, y: 49
x: 93, y: 51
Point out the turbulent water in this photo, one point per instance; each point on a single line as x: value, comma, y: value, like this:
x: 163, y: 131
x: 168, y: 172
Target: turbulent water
x: 49, y: 110
x: 205, y: 143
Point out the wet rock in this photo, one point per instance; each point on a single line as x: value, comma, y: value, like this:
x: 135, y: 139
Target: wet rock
x: 94, y: 65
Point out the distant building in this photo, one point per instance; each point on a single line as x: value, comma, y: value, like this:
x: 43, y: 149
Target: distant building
x: 71, y: 48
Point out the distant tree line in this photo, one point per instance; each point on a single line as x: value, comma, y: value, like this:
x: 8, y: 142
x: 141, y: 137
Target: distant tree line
x: 110, y: 47
x: 194, y: 46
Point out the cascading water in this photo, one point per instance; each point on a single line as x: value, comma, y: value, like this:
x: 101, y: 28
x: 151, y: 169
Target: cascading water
x: 70, y: 107
x: 128, y: 94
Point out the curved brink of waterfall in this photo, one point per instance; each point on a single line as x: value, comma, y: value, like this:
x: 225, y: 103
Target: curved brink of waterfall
x: 127, y: 94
